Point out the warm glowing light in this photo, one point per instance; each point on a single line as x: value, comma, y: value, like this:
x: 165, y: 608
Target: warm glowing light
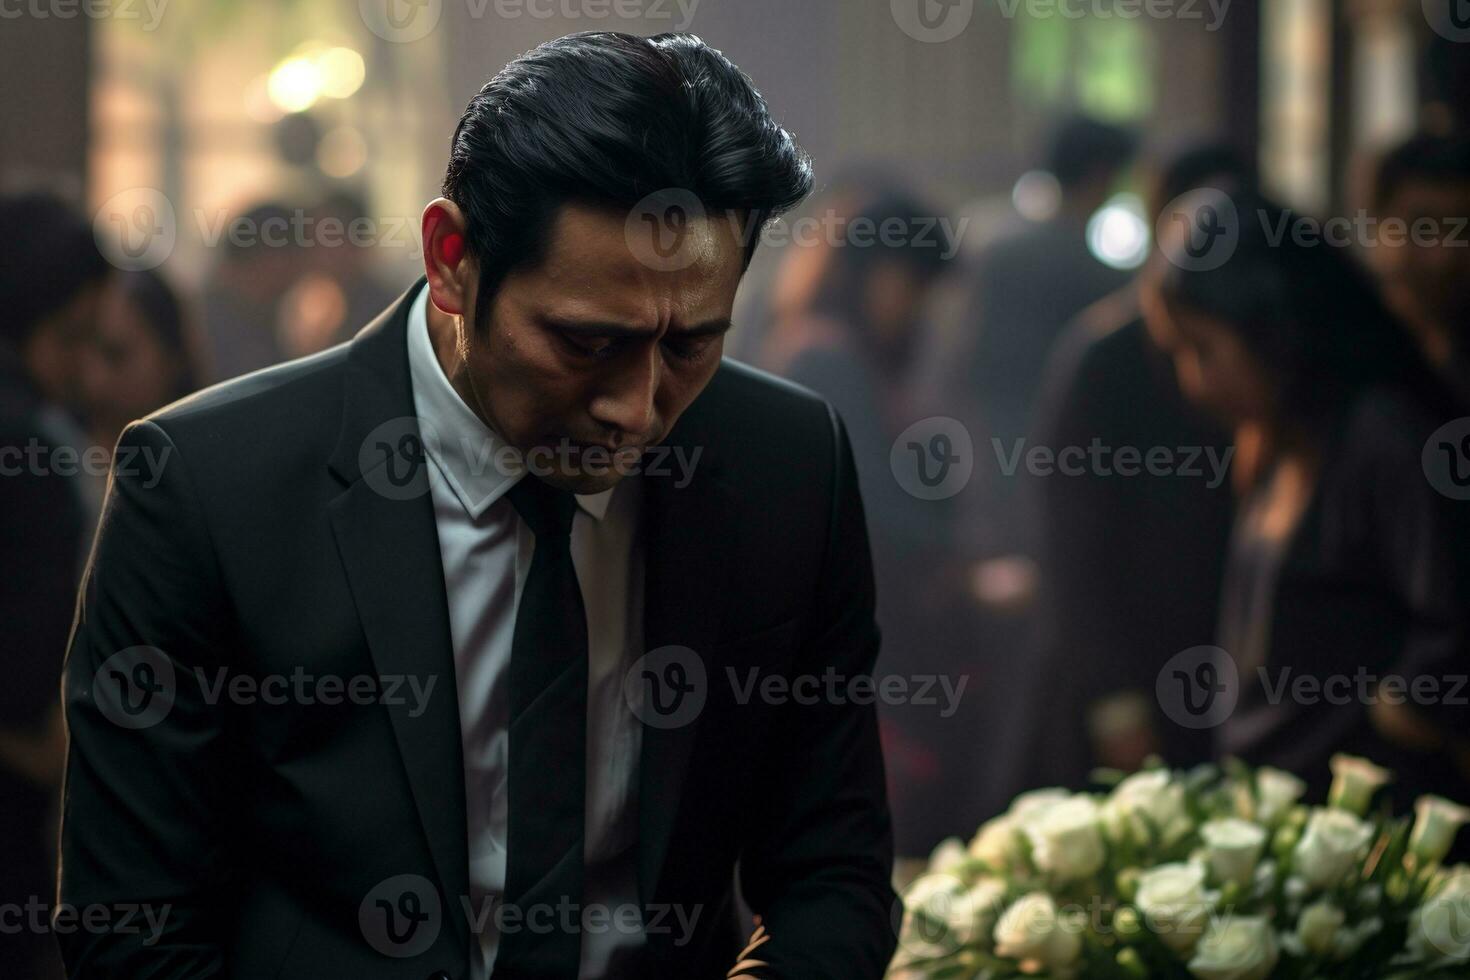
x: 342, y: 72
x: 1037, y: 195
x: 295, y: 84
x: 1117, y: 234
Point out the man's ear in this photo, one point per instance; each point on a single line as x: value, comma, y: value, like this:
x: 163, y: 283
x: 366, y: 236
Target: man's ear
x: 451, y: 270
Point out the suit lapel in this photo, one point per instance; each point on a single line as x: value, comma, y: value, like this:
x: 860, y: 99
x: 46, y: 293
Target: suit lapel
x: 684, y: 593
x: 389, y: 546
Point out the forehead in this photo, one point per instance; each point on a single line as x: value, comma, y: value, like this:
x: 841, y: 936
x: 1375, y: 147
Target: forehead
x: 593, y: 256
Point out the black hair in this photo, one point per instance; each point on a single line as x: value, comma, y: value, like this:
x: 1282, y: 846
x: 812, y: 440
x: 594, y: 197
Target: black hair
x: 256, y: 240
x: 924, y: 256
x: 163, y: 315
x: 1423, y: 157
x: 1195, y: 165
x: 1083, y: 148
x: 48, y: 255
x: 1309, y: 313
x: 608, y: 118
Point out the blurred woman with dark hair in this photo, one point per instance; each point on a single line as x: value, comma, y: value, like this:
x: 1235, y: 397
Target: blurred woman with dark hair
x: 143, y: 358
x: 1346, y: 604
x: 52, y: 275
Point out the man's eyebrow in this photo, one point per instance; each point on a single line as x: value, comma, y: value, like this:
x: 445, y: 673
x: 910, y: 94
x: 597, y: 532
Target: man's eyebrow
x: 708, y: 328
x: 602, y: 328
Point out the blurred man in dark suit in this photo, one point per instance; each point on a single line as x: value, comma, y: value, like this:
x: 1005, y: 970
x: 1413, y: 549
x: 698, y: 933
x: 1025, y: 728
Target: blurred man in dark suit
x: 1423, y: 263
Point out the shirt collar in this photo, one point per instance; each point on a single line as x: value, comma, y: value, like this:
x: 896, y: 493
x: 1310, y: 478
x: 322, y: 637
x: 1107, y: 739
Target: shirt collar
x: 477, y: 464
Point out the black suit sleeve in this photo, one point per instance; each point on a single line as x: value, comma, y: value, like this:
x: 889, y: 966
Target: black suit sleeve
x: 143, y: 806
x: 818, y: 860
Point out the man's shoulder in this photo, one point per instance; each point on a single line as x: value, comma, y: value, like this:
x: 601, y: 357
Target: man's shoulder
x: 746, y: 404
x: 301, y: 390
x: 765, y: 437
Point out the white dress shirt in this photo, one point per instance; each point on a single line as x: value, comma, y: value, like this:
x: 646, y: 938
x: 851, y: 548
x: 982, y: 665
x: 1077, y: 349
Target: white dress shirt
x: 486, y: 551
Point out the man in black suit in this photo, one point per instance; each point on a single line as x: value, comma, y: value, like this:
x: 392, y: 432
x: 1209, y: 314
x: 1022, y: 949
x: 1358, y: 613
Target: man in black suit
x: 474, y: 646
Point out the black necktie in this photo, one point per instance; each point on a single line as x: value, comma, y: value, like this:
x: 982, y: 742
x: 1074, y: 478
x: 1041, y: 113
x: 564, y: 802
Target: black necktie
x: 548, y: 744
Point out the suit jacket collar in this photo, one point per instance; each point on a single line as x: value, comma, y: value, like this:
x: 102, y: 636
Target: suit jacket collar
x: 389, y: 546
x: 384, y: 525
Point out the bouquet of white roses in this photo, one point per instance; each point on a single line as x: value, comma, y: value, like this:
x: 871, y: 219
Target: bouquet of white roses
x: 1210, y: 874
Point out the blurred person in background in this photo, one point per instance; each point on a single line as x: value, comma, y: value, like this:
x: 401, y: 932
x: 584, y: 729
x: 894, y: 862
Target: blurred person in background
x: 340, y: 290
x: 1424, y: 183
x: 854, y: 341
x: 1027, y: 287
x: 143, y: 357
x: 260, y: 261
x: 1346, y: 565
x: 1130, y: 565
x: 51, y: 278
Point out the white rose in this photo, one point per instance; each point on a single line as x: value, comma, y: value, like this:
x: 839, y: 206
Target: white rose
x: 931, y: 904
x: 948, y: 856
x: 1334, y: 843
x: 1436, y: 822
x: 1065, y: 839
x: 1234, y: 847
x: 1034, y: 801
x: 1318, y: 926
x: 1031, y: 930
x: 1439, y: 930
x: 1240, y: 947
x: 1354, y: 781
x: 983, y: 903
x: 1147, y: 800
x: 1173, y: 903
x: 1276, y: 791
x: 996, y: 843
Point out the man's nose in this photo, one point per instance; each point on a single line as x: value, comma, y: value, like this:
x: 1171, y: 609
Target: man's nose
x: 626, y: 403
